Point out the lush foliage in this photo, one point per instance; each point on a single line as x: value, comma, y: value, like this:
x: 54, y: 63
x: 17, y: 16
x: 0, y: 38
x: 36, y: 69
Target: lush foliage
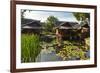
x: 50, y: 23
x: 30, y: 47
x: 73, y: 52
x: 87, y: 41
x: 81, y: 16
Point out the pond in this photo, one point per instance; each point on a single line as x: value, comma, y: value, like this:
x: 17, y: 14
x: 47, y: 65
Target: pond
x: 50, y: 54
x: 68, y: 50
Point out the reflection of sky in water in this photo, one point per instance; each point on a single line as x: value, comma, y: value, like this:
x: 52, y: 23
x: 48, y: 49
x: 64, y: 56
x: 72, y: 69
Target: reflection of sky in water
x: 43, y: 15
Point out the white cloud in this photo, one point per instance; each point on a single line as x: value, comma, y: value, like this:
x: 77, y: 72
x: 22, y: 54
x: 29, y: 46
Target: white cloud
x: 43, y: 15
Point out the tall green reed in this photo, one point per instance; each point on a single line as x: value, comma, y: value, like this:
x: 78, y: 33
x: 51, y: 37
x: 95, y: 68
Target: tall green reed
x: 30, y: 47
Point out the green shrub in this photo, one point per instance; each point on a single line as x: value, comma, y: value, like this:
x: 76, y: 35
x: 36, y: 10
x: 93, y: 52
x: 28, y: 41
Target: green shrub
x: 30, y: 47
x: 70, y: 52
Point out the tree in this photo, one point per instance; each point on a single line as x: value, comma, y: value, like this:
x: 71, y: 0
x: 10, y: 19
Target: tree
x: 84, y: 19
x: 50, y: 23
x: 22, y: 13
x: 81, y: 16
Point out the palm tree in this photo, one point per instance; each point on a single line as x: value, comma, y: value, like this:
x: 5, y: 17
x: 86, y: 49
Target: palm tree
x: 81, y: 16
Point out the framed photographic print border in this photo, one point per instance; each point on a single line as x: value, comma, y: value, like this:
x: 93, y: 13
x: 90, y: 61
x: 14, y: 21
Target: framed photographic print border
x: 13, y: 35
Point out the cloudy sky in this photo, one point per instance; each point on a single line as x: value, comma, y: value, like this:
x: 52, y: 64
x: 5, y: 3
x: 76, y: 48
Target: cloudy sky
x: 43, y: 15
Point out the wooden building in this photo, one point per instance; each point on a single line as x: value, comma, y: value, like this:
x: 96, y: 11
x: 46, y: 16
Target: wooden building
x: 31, y: 26
x: 72, y: 31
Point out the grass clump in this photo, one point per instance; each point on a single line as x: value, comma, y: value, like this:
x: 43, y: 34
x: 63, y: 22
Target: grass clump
x: 30, y: 47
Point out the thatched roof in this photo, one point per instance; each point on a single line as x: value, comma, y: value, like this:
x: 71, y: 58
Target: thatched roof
x: 36, y: 24
x: 69, y: 25
x: 30, y: 24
